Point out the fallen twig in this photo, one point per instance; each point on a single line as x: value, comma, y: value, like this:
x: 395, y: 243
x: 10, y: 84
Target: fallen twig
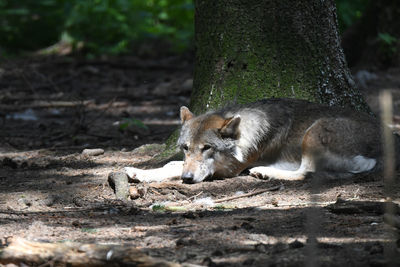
x: 47, y: 104
x: 75, y: 254
x: 273, y: 188
x: 195, y: 196
x: 131, y: 65
x: 66, y: 210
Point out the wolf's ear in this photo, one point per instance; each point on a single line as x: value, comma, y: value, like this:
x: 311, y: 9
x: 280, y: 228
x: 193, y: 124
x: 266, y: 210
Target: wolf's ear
x: 230, y: 127
x: 185, y: 114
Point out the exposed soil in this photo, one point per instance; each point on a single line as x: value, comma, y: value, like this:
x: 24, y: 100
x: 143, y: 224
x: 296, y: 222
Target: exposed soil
x: 51, y: 109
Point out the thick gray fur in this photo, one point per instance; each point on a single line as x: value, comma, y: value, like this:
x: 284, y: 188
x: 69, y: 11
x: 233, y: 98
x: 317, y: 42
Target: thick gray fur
x: 271, y: 133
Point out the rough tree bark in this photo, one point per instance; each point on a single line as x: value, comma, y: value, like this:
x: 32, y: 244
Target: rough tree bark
x: 252, y: 49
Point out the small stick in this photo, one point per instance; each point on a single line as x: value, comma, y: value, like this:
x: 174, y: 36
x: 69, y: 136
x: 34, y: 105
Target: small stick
x: 193, y: 197
x: 273, y: 188
x: 47, y: 104
x: 25, y: 252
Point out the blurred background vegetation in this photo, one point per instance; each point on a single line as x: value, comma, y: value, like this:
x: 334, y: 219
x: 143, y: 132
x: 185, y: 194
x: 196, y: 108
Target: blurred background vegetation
x: 111, y: 26
x: 102, y: 26
x: 350, y: 11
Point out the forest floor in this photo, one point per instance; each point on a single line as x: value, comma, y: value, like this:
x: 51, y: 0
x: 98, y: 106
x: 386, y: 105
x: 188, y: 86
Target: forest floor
x: 53, y: 108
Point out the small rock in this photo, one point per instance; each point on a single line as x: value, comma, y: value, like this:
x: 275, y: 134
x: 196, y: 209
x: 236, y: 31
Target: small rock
x: 50, y: 201
x: 296, y: 244
x: 76, y: 223
x: 134, y: 193
x: 78, y: 201
x: 119, y: 182
x: 25, y: 201
x: 93, y: 151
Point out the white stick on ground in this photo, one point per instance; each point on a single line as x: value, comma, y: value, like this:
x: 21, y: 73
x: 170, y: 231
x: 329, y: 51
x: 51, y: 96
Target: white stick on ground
x: 172, y: 169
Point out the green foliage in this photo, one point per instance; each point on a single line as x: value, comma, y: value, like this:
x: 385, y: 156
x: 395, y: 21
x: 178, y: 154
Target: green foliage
x: 349, y: 11
x: 387, y: 39
x: 163, y: 208
x: 30, y: 24
x: 158, y: 207
x: 223, y: 207
x: 111, y: 26
x: 388, y: 44
x: 103, y: 26
x: 129, y: 122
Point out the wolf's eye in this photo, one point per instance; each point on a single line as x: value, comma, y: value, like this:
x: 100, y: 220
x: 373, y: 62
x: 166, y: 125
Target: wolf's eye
x: 185, y: 147
x: 206, y: 147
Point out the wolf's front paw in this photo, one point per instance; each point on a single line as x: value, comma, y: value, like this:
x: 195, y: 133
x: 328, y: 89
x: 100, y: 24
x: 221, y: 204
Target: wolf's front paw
x: 260, y: 172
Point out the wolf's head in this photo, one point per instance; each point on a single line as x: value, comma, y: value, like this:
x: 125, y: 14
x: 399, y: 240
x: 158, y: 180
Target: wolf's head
x: 209, y: 144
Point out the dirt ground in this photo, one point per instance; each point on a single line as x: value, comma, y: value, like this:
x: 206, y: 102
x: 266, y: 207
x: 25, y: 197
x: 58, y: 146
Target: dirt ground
x: 51, y: 109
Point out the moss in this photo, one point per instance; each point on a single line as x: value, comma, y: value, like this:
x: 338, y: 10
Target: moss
x: 171, y: 151
x: 149, y: 149
x: 244, y: 60
x: 247, y: 50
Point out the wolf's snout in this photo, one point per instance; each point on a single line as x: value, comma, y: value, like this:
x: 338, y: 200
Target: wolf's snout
x: 187, y: 177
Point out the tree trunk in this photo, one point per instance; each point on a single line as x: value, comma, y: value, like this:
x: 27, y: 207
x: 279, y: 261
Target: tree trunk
x: 252, y: 49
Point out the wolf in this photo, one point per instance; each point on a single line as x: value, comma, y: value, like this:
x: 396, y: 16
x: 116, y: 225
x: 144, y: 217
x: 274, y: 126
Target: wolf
x: 273, y: 138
